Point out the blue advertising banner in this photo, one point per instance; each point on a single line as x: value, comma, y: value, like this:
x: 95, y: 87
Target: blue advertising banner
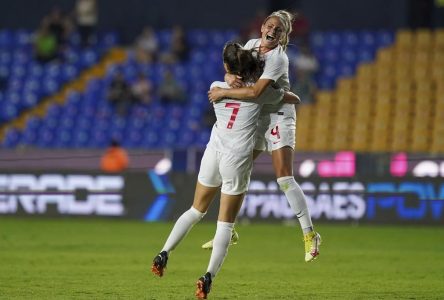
x: 152, y: 197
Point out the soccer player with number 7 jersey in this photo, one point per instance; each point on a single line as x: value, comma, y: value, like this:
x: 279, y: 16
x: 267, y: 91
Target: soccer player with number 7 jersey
x: 226, y: 164
x: 277, y: 123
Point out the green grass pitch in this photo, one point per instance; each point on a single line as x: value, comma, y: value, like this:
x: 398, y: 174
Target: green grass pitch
x: 110, y: 259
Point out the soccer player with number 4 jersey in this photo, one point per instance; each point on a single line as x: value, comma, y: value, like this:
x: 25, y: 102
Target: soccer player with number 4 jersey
x: 226, y: 163
x: 277, y: 122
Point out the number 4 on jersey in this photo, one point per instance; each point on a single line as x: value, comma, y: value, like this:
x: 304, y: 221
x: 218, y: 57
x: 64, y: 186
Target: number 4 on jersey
x: 235, y: 107
x: 275, y: 131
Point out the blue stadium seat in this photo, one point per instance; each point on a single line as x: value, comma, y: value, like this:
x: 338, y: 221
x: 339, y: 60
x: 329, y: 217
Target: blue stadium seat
x: 332, y: 39
x: 317, y: 40
x: 385, y: 38
x: 350, y: 38
x: 6, y: 38
x: 198, y: 38
x: 12, y: 138
x: 164, y: 38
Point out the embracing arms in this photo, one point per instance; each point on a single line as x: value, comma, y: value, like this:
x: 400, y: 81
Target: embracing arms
x: 252, y: 93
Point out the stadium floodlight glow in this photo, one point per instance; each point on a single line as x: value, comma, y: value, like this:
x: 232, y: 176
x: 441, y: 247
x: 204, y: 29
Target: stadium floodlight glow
x: 163, y: 166
x: 426, y: 168
x: 307, y: 168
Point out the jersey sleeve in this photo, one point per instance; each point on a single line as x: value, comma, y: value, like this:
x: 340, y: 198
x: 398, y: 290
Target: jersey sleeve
x: 220, y: 84
x: 250, y: 44
x: 275, y: 67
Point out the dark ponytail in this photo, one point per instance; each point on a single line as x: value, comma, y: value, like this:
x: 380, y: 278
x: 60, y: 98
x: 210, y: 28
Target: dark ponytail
x: 246, y: 63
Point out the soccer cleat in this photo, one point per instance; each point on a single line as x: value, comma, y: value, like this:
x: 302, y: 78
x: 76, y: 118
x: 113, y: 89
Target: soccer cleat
x: 203, y: 286
x: 159, y: 263
x: 234, y: 239
x: 312, y: 241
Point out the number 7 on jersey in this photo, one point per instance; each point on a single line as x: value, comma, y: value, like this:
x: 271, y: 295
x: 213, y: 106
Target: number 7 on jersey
x: 235, y: 107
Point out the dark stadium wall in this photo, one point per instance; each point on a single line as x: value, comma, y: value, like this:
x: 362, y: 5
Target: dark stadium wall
x: 129, y: 16
x: 344, y: 14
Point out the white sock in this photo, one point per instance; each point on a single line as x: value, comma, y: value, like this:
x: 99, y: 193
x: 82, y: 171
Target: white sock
x: 220, y: 246
x: 296, y: 199
x: 183, y: 225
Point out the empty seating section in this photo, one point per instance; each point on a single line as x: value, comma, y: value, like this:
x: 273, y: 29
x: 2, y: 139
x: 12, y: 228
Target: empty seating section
x: 394, y: 103
x: 86, y: 118
x: 29, y: 82
x: 339, y: 53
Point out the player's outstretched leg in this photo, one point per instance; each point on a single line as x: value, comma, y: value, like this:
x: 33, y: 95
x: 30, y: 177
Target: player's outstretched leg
x: 159, y: 263
x: 234, y: 239
x: 203, y: 286
x: 312, y: 241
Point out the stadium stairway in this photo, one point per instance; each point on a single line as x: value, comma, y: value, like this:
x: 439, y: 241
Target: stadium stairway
x: 115, y: 55
x: 395, y: 103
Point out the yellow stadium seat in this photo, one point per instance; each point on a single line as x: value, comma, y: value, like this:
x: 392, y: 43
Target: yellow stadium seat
x: 438, y: 109
x: 422, y: 57
x: 403, y: 57
x: 403, y: 105
x: 438, y: 57
x: 379, y: 142
x: 399, y: 142
x: 304, y: 125
x: 420, y: 142
x: 439, y: 39
x: 383, y: 117
x: 439, y: 89
x: 340, y: 142
x: 384, y: 83
x: 324, y: 99
x: 423, y: 38
x: 404, y: 38
x: 360, y: 143
x: 401, y: 122
x: 422, y: 113
x: 383, y: 99
x: 321, y: 134
x: 421, y: 72
x: 437, y: 143
x: 342, y: 98
x: 345, y: 84
x: 364, y: 87
x: 437, y: 146
x: 385, y: 56
x: 341, y: 131
x: 402, y: 72
x: 366, y: 71
x: 438, y: 73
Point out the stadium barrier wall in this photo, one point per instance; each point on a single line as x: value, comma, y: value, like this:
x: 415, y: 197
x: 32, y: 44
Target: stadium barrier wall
x: 152, y: 197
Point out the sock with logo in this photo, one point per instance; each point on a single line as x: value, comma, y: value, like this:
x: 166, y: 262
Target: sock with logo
x: 296, y: 199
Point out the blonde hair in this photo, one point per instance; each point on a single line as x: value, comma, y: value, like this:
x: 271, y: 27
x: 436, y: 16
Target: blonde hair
x: 287, y: 19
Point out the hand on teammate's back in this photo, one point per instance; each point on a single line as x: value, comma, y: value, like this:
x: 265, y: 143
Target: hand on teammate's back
x: 215, y: 94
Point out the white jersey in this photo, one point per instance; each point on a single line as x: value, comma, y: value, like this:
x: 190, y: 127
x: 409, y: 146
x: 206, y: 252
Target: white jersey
x: 236, y: 122
x: 276, y: 69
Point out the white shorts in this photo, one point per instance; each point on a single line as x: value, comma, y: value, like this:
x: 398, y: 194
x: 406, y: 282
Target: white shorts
x: 230, y: 172
x: 275, y: 130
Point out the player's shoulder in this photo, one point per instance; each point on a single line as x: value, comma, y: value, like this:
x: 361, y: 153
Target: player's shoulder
x: 253, y: 43
x: 279, y: 52
x: 220, y: 84
x: 278, y: 55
